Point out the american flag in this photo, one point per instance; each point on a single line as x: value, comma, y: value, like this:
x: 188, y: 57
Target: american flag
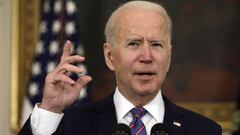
x: 58, y: 24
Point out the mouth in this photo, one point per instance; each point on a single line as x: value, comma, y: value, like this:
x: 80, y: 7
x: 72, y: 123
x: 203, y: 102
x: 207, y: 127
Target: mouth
x: 145, y: 75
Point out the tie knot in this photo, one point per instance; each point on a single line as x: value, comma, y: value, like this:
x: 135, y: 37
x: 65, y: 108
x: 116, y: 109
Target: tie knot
x: 138, y: 112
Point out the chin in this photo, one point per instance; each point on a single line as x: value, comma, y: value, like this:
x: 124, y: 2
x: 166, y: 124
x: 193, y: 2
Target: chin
x: 146, y: 90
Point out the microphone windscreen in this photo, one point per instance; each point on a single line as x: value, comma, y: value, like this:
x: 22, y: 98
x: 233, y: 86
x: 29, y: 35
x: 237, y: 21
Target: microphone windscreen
x: 159, y: 129
x: 121, y: 129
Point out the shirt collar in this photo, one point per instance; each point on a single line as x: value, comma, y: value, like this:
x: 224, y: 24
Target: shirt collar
x: 155, y: 108
x: 122, y: 105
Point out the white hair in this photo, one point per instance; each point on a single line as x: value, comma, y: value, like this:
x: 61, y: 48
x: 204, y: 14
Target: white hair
x: 110, y: 28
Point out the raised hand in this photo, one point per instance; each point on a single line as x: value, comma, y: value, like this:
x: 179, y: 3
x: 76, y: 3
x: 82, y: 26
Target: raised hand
x: 60, y: 91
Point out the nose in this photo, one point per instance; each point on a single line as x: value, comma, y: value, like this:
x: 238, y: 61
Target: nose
x: 146, y: 54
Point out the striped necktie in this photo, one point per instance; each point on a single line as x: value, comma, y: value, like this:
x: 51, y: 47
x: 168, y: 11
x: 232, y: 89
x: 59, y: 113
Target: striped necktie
x: 137, y: 127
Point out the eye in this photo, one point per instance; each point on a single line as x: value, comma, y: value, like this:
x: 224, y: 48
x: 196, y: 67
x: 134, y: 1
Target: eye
x: 134, y: 44
x: 157, y: 44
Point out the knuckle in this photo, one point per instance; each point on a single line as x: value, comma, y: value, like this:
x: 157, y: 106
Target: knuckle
x: 64, y: 66
x: 49, y: 76
x: 62, y: 58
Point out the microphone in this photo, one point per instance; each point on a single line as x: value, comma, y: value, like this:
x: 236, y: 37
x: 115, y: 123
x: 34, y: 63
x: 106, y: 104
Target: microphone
x: 159, y: 129
x: 121, y: 129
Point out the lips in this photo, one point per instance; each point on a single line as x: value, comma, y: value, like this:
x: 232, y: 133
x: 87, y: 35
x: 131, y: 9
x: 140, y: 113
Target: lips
x: 145, y: 74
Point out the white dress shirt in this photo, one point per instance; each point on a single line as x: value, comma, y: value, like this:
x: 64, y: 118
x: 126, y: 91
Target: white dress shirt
x: 155, y: 110
x: 44, y: 122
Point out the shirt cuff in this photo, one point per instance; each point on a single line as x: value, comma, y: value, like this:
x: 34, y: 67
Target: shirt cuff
x: 44, y: 122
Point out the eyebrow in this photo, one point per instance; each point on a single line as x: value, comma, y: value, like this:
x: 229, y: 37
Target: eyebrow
x: 141, y: 40
x: 135, y: 39
x: 158, y: 41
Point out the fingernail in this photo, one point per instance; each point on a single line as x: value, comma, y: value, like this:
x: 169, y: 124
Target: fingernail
x: 72, y: 82
x: 68, y: 42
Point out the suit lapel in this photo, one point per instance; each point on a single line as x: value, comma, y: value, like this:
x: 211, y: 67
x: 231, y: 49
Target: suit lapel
x: 173, y: 118
x: 104, y: 116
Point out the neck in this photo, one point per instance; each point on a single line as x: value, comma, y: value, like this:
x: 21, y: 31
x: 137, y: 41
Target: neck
x: 139, y: 100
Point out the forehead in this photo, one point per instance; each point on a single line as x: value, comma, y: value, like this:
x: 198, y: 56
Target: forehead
x: 140, y: 21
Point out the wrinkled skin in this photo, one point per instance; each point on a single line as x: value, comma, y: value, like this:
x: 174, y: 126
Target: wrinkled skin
x: 141, y: 55
x: 60, y: 91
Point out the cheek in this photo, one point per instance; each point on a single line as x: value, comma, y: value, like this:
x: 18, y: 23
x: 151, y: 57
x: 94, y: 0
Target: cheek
x: 126, y: 63
x: 120, y: 62
x: 126, y: 59
x: 163, y: 63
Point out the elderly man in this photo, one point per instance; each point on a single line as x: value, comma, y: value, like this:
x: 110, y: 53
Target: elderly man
x: 138, y: 50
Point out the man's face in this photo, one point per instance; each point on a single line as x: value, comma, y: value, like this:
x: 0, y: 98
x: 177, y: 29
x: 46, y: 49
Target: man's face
x: 141, y: 55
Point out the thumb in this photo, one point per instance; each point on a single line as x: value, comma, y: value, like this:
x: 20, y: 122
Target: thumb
x: 83, y: 80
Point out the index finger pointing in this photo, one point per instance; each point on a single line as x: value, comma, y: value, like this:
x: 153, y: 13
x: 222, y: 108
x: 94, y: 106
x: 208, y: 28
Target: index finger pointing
x: 67, y: 49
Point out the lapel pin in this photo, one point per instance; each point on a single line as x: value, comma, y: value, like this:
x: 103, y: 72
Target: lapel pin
x: 177, y: 124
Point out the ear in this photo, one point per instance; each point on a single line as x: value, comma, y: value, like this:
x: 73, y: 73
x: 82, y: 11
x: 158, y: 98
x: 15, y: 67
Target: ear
x: 108, y: 56
x: 169, y: 57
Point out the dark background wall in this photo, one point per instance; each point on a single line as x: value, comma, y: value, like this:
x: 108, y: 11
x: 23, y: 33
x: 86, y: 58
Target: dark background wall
x: 206, y: 48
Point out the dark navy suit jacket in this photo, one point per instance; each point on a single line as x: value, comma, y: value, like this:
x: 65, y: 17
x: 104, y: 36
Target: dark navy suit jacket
x: 100, y: 118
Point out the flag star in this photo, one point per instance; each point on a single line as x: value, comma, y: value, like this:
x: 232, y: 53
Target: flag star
x: 33, y: 89
x: 46, y: 6
x: 56, y: 26
x: 80, y: 50
x: 43, y: 27
x: 57, y: 6
x: 70, y: 28
x: 83, y: 93
x: 39, y: 48
x: 51, y: 66
x: 36, y: 68
x: 71, y: 7
x: 54, y: 48
x: 80, y: 65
